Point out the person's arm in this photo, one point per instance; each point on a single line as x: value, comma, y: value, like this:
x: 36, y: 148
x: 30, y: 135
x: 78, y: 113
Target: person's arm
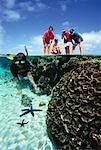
x: 31, y: 79
x: 43, y: 38
x: 30, y: 63
x: 18, y: 86
x: 70, y: 36
x: 62, y: 36
x: 53, y: 36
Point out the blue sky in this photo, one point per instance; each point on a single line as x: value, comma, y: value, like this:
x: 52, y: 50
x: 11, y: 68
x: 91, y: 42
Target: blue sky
x: 22, y: 22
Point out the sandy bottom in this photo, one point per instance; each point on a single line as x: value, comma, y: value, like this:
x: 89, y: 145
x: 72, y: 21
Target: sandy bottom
x: 32, y: 136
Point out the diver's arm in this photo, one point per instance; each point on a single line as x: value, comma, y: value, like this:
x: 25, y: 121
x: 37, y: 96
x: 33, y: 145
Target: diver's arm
x: 30, y: 63
x: 30, y: 77
x: 17, y: 79
x: 72, y: 41
x: 17, y: 82
x: 18, y: 86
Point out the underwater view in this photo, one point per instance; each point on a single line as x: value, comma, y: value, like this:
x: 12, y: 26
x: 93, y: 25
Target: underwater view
x: 39, y: 116
x: 50, y: 75
x: 12, y: 136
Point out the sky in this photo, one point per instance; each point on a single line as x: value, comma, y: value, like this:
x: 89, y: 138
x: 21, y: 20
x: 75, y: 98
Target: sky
x: 23, y: 22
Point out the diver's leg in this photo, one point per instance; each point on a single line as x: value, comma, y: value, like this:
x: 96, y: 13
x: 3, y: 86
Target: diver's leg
x: 67, y: 50
x: 48, y: 49
x: 58, y: 49
x: 44, y: 50
x: 81, y: 48
x: 73, y: 49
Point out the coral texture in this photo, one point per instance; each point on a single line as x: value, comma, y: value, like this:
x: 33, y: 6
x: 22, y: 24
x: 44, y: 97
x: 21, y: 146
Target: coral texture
x: 74, y: 112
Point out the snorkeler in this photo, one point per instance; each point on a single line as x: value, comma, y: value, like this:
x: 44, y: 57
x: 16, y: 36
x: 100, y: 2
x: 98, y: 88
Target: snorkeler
x: 56, y: 47
x: 21, y: 68
x: 76, y: 39
x: 29, y: 111
x: 48, y: 37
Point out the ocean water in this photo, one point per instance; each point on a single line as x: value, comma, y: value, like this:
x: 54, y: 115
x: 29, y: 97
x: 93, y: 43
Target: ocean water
x: 33, y: 136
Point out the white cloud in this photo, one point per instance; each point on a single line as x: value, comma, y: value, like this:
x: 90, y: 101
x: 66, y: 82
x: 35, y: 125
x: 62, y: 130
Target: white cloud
x: 8, y: 11
x: 28, y: 6
x: 9, y: 3
x: 41, y: 5
x: 33, y: 6
x: 63, y: 4
x: 64, y: 7
x: 20, y: 48
x: 37, y: 45
x: 66, y: 23
x: 80, y: 1
x: 2, y: 33
x: 11, y: 15
x: 92, y: 42
x: 37, y: 40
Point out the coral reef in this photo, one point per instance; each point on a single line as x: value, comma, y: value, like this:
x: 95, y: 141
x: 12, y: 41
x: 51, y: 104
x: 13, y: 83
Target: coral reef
x: 48, y: 71
x: 74, y: 112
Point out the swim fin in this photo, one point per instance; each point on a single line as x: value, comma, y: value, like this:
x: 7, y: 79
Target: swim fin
x: 8, y: 56
x: 11, y: 57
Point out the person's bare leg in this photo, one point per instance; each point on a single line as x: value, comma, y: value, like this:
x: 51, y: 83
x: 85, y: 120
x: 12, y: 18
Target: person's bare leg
x: 81, y: 48
x: 73, y: 49
x: 58, y: 50
x: 48, y: 49
x: 67, y: 50
x: 44, y: 50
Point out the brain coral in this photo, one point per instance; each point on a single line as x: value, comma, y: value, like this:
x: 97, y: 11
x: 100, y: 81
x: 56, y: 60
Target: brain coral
x: 74, y: 112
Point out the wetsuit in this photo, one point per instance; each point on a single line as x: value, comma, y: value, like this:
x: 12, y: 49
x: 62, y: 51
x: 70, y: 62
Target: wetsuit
x: 20, y: 69
x: 76, y: 37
